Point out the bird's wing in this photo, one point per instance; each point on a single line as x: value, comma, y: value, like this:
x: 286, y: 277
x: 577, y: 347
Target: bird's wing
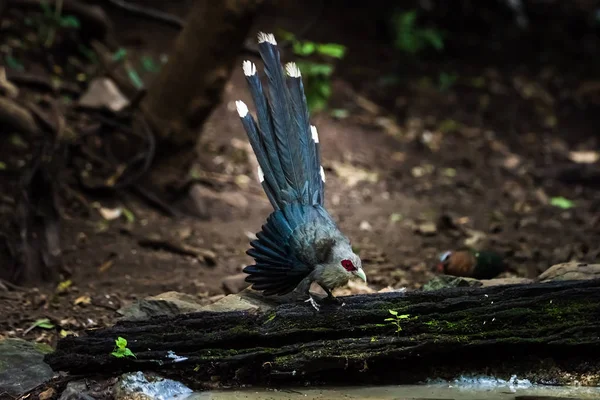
x: 277, y: 269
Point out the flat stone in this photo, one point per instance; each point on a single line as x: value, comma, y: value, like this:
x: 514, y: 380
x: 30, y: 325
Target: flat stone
x: 235, y: 283
x: 138, y: 386
x: 504, y: 281
x: 246, y: 300
x: 22, y: 366
x: 570, y: 271
x: 168, y: 303
x: 448, y: 281
x: 101, y: 93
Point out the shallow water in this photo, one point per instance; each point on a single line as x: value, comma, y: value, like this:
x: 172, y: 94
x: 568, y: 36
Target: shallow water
x: 408, y: 392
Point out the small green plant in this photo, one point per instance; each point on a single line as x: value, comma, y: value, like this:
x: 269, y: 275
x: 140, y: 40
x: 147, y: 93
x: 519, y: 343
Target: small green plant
x: 446, y: 81
x: 410, y: 37
x: 561, y: 202
x: 395, y: 319
x: 316, y: 75
x: 53, y: 20
x: 121, y: 349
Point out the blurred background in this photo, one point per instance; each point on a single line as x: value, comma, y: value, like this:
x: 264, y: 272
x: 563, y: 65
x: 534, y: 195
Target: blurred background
x: 462, y: 126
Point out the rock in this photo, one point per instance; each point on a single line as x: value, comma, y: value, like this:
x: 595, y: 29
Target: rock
x: 246, y: 300
x: 570, y: 271
x: 174, y: 303
x: 168, y: 303
x: 137, y: 386
x: 101, y: 93
x: 427, y: 228
x: 504, y: 281
x: 76, y: 391
x: 221, y: 204
x: 22, y: 366
x: 447, y: 281
x: 235, y: 283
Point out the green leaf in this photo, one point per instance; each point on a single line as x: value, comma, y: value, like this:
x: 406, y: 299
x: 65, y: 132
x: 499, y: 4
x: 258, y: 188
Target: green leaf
x: 46, y: 9
x: 324, y: 89
x: 149, y: 65
x: 129, y: 353
x: 117, y: 353
x: 393, y: 312
x: 332, y: 50
x: 434, y: 38
x: 314, y: 69
x: 562, y: 202
x: 129, y: 216
x: 13, y: 63
x: 2, y: 166
x: 404, y: 316
x: 119, y: 54
x: 70, y: 21
x: 304, y: 48
x: 390, y: 319
x: 135, y: 78
x: 121, y: 342
x: 340, y: 113
x: 43, y: 323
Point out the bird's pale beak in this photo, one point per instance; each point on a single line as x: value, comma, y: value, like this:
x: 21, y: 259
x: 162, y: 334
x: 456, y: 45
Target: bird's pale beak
x: 361, y: 274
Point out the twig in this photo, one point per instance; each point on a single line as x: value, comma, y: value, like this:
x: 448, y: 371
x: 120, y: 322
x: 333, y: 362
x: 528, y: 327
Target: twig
x: 16, y: 117
x: 155, y: 201
x: 208, y: 256
x: 23, y: 78
x: 149, y: 13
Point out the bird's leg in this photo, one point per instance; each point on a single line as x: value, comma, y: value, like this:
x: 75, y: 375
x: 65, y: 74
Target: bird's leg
x: 313, y: 303
x: 303, y: 289
x: 330, y: 297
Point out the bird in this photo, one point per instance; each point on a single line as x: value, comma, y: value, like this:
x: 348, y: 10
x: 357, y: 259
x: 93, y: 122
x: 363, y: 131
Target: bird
x: 471, y: 263
x: 300, y: 243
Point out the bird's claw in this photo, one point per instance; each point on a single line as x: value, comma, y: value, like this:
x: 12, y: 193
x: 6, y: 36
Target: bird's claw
x: 313, y: 303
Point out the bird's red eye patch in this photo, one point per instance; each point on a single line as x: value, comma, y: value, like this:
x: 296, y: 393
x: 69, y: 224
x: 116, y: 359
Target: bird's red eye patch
x: 347, y: 264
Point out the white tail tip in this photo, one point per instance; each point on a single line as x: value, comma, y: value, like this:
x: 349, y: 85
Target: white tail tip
x: 315, y: 134
x: 261, y: 175
x: 249, y: 68
x: 322, y: 174
x: 266, y: 37
x: 292, y: 70
x: 242, y: 108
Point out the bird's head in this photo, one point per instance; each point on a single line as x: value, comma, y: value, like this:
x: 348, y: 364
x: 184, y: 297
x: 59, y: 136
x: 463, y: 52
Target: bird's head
x: 348, y: 262
x: 444, y: 261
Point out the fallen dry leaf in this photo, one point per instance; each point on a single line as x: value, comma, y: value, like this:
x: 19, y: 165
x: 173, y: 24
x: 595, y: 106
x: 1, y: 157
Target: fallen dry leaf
x: 584, y: 157
x: 47, y: 394
x: 83, y: 301
x: 110, y: 214
x: 354, y: 287
x: 353, y: 175
x: 106, y: 265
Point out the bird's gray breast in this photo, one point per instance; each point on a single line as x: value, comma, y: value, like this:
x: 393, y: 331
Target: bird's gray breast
x: 313, y: 242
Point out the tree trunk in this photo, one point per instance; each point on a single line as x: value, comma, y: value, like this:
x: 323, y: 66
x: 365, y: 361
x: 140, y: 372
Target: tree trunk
x: 190, y: 85
x: 545, y: 332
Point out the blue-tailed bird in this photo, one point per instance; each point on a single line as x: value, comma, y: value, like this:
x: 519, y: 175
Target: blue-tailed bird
x: 300, y: 243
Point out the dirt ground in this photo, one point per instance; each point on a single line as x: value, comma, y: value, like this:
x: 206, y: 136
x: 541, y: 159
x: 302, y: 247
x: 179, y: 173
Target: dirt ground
x: 482, y: 154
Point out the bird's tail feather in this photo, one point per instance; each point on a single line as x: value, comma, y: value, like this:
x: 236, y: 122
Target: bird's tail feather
x: 285, y: 144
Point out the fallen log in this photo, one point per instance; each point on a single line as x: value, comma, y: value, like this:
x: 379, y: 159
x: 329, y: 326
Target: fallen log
x: 546, y: 332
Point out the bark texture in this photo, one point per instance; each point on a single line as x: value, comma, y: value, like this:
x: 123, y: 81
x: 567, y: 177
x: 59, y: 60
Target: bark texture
x: 547, y: 332
x: 190, y: 84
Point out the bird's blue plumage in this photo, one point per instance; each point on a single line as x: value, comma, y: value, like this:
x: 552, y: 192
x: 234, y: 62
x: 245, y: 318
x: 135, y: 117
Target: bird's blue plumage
x: 298, y: 234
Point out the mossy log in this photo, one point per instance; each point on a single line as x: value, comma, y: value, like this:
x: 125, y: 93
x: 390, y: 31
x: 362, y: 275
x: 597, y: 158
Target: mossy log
x: 547, y: 332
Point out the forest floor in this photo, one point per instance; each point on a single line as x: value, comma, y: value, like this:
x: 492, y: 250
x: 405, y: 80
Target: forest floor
x: 405, y: 154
